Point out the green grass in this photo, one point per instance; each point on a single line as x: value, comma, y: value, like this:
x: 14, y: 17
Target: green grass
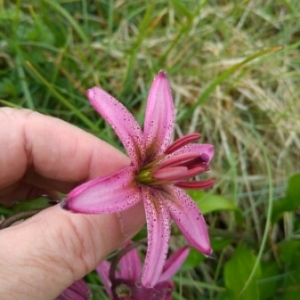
x: 243, y: 102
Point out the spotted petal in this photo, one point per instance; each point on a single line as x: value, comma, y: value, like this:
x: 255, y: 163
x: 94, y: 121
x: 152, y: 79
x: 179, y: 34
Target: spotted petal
x: 188, y: 218
x: 158, y: 223
x: 122, y: 121
x: 159, y: 117
x: 105, y: 194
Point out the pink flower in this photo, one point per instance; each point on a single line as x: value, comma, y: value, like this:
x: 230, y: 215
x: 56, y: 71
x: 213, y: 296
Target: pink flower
x: 123, y: 284
x: 156, y: 176
x: 79, y: 290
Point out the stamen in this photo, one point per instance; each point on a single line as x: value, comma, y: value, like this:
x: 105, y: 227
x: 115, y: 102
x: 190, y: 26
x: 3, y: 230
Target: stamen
x: 204, y: 157
x: 195, y: 185
x: 179, y: 159
x: 196, y: 162
x: 179, y: 143
x: 178, y: 173
x: 170, y: 174
x: 195, y: 171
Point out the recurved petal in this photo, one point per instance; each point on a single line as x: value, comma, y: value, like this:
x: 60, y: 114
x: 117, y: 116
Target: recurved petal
x: 158, y: 224
x: 189, y: 219
x: 206, y: 150
x: 130, y: 266
x: 159, y: 117
x: 122, y: 121
x: 79, y: 290
x: 173, y: 263
x: 103, y: 272
x: 108, y: 194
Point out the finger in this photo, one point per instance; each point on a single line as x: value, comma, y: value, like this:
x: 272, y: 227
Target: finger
x: 45, y: 151
x: 42, y: 256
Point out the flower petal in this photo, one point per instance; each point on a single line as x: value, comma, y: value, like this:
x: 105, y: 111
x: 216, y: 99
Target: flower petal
x: 130, y: 266
x: 159, y: 117
x: 173, y: 263
x: 79, y: 290
x: 122, y: 121
x: 205, y: 150
x: 188, y: 218
x: 103, y: 272
x: 108, y: 194
x: 158, y: 223
x: 161, y: 291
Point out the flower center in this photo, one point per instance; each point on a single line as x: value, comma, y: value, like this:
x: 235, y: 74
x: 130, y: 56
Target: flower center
x: 145, y: 177
x: 176, y: 166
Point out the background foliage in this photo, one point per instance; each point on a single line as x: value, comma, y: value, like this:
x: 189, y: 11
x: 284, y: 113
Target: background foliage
x: 230, y: 81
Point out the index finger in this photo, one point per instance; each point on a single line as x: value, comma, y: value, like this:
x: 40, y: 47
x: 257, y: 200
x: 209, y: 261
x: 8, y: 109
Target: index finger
x: 32, y: 143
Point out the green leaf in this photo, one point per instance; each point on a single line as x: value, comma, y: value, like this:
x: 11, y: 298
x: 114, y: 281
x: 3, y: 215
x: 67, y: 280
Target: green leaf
x: 181, y: 7
x: 293, y: 191
x: 269, y: 280
x: 291, y: 201
x: 289, y: 251
x: 37, y: 203
x: 289, y: 254
x: 219, y: 243
x: 193, y: 260
x: 6, y: 211
x: 236, y: 274
x: 211, y: 202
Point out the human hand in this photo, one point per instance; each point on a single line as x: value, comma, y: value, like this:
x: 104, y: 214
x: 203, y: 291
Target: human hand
x: 42, y: 256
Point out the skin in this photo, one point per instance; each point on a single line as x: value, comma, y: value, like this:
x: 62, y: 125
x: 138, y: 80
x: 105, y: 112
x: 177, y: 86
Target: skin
x: 42, y: 256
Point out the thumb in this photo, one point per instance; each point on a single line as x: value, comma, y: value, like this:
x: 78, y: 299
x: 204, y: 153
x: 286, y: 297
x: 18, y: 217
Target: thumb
x: 42, y: 256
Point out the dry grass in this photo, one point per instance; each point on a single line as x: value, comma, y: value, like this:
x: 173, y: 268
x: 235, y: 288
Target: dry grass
x: 252, y: 116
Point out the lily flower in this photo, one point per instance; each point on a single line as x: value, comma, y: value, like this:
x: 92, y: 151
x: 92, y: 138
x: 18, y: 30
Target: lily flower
x: 79, y: 290
x: 157, y: 175
x: 123, y: 284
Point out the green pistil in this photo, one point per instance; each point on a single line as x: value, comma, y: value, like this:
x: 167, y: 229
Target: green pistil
x: 145, y: 177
